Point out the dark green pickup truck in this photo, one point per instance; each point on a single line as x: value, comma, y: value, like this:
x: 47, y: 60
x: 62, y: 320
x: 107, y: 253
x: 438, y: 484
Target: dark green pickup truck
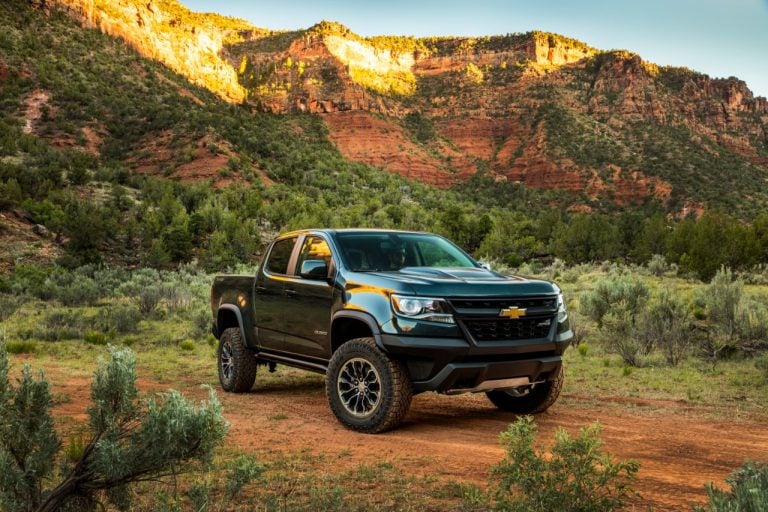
x: 387, y: 314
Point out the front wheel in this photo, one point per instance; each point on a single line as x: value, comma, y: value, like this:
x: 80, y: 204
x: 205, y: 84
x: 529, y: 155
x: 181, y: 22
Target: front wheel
x: 529, y: 400
x: 237, y: 364
x: 367, y: 391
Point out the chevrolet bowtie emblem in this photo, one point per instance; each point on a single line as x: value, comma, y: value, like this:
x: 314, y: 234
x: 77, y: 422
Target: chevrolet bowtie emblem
x: 512, y: 313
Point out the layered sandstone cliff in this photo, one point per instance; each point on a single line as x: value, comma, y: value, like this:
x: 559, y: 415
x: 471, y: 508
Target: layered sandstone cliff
x: 439, y: 110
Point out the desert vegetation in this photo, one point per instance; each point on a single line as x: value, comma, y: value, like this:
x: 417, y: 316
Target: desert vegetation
x: 687, y: 342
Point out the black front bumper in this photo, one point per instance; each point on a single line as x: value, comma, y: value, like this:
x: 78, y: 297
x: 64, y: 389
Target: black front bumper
x: 454, y: 364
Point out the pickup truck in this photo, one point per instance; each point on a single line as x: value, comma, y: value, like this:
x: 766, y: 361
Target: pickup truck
x: 388, y: 314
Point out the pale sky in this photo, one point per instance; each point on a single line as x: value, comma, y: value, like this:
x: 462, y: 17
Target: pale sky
x: 718, y: 37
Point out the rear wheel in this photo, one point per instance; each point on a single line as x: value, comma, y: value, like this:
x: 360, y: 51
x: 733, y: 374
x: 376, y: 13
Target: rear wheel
x: 236, y: 362
x: 367, y: 391
x: 531, y: 399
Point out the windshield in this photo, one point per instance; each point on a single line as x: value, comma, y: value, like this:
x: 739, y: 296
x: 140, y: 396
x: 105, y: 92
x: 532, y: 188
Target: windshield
x: 365, y: 252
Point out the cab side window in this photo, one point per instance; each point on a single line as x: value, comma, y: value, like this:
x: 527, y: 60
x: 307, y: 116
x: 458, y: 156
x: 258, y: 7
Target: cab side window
x: 280, y: 256
x: 314, y: 248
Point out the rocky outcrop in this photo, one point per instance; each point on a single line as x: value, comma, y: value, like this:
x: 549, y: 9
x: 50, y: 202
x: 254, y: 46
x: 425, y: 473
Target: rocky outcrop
x: 483, y: 98
x: 367, y: 138
x: 191, y: 50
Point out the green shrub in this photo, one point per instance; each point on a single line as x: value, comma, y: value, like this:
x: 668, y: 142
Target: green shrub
x: 60, y: 324
x: 72, y: 288
x: 749, y: 491
x: 658, y: 265
x: 144, y: 289
x: 187, y: 345
x: 576, y: 477
x: 129, y: 440
x: 721, y: 300
x: 29, y: 279
x: 579, y: 326
x: 619, y: 334
x: 122, y: 318
x: 96, y: 337
x: 20, y: 346
x: 609, y: 293
x: 666, y: 324
x: 8, y: 306
x: 735, y: 319
x: 201, y: 321
x: 752, y: 326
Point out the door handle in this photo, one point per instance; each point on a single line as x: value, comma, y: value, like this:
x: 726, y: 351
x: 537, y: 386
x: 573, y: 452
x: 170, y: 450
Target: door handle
x: 290, y: 293
x: 261, y: 288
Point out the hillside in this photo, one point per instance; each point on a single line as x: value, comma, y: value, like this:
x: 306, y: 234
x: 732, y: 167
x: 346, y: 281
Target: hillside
x: 120, y: 159
x: 108, y: 156
x: 536, y: 108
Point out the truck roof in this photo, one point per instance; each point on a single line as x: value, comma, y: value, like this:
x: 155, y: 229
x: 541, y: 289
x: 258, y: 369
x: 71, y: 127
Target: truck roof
x: 347, y: 230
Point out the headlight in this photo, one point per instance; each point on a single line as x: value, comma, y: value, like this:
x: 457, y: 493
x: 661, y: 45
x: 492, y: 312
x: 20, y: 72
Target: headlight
x: 562, y: 312
x: 422, y: 308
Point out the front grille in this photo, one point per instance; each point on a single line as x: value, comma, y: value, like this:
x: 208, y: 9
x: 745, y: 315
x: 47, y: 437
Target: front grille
x: 475, y: 304
x: 504, y: 329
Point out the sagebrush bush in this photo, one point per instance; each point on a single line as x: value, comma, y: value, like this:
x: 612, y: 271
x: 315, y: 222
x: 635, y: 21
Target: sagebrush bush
x: 658, y: 265
x: 666, y: 324
x: 144, y: 289
x: 61, y: 324
x: 202, y: 320
x: 177, y: 297
x: 721, y: 298
x: 122, y: 318
x: 752, y: 326
x: 609, y: 293
x: 620, y: 335
x: 576, y: 477
x: 735, y: 319
x: 72, y: 288
x: 579, y: 326
x: 749, y: 491
x: 8, y: 306
x: 129, y: 440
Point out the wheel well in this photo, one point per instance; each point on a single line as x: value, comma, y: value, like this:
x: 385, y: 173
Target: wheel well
x: 226, y: 319
x: 345, y: 329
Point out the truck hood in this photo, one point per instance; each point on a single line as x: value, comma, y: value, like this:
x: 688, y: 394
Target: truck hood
x: 456, y: 282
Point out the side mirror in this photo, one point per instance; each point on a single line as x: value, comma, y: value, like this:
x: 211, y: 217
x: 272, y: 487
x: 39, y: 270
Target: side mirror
x: 485, y: 265
x: 314, y: 269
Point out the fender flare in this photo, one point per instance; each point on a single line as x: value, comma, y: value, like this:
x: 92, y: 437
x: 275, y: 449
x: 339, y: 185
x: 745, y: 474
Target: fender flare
x: 367, y: 319
x: 238, y: 315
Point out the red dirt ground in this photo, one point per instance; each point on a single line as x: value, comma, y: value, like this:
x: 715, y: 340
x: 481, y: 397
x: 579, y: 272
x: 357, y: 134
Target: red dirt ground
x: 455, y: 438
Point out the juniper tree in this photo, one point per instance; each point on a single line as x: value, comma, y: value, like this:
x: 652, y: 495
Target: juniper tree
x: 130, y: 440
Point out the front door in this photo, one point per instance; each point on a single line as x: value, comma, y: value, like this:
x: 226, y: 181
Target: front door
x: 308, y: 323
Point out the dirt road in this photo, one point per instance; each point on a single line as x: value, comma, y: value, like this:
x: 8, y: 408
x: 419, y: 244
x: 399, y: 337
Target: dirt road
x: 456, y: 437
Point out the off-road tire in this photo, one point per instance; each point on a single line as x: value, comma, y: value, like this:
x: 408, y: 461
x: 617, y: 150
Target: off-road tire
x: 394, y: 390
x: 537, y: 400
x: 236, y: 362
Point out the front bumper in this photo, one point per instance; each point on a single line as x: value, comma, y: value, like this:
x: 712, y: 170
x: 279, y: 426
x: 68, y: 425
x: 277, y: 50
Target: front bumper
x: 450, y: 365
